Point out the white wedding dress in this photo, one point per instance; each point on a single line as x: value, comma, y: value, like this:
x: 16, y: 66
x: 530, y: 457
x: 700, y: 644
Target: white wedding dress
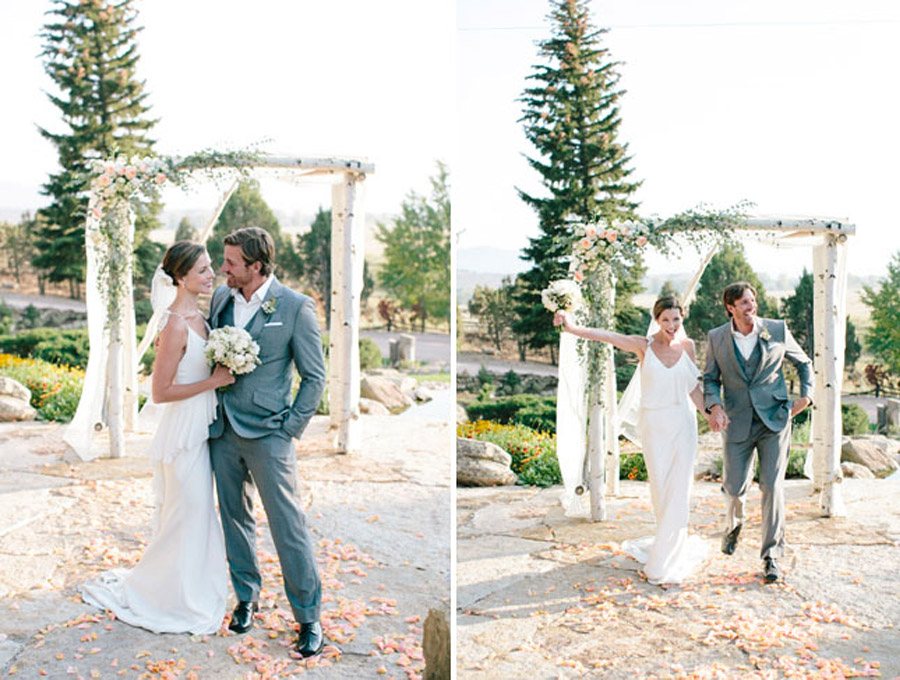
x: 668, y: 430
x: 180, y: 583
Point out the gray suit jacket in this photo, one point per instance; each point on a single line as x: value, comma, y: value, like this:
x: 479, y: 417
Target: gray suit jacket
x: 765, y: 391
x: 259, y: 403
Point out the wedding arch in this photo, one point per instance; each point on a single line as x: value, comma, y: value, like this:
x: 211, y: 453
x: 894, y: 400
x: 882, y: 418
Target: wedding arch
x: 588, y: 420
x: 109, y: 400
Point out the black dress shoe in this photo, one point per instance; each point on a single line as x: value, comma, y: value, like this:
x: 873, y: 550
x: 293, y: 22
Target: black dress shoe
x: 730, y: 540
x: 311, y: 639
x: 771, y: 570
x: 242, y: 618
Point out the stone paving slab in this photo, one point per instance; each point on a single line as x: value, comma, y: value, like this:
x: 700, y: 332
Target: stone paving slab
x: 381, y: 516
x: 586, y: 611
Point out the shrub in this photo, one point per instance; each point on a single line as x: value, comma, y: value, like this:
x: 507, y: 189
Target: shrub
x: 533, y: 453
x: 369, y: 354
x: 504, y: 409
x: 68, y: 349
x: 541, y: 416
x: 632, y: 466
x: 854, y: 419
x: 55, y: 390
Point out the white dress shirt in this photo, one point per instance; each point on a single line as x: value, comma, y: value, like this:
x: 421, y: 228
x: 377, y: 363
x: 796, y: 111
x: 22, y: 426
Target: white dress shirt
x: 746, y: 343
x: 245, y: 309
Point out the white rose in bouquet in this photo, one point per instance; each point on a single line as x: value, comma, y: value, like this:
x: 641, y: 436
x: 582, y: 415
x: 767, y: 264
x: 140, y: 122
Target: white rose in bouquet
x: 563, y: 294
x: 233, y: 348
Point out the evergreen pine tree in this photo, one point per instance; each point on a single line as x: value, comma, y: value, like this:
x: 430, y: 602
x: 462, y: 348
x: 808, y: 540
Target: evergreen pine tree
x: 247, y: 208
x: 571, y: 117
x: 797, y: 310
x: 90, y: 54
x: 314, y: 256
x: 707, y: 311
x: 186, y: 231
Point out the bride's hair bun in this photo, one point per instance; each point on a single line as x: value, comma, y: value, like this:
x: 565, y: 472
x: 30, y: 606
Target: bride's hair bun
x: 180, y: 258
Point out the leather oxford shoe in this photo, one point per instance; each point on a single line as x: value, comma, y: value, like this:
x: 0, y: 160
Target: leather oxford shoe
x: 730, y: 540
x: 311, y: 639
x: 242, y: 618
x: 771, y: 570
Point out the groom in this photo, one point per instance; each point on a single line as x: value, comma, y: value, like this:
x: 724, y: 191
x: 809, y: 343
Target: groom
x: 745, y: 357
x: 250, y: 440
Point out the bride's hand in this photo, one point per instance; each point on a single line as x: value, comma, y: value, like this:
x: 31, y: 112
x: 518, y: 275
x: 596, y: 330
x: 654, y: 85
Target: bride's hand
x: 222, y: 376
x: 560, y: 318
x: 563, y: 318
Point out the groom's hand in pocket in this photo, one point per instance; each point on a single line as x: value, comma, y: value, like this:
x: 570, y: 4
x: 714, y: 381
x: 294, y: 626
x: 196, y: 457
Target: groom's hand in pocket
x: 800, y: 405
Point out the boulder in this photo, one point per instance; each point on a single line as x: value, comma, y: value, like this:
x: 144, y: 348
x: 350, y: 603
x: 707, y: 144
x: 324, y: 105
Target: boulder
x: 890, y: 446
x: 482, y: 464
x: 436, y: 645
x: 423, y: 394
x: 13, y: 388
x: 863, y: 451
x: 461, y: 415
x: 384, y: 391
x: 14, y: 409
x: 373, y: 408
x: 856, y: 471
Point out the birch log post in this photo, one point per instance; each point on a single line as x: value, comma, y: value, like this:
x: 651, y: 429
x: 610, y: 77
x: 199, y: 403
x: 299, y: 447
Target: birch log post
x: 596, y: 454
x: 610, y: 400
x: 347, y: 251
x: 829, y: 325
x: 118, y: 268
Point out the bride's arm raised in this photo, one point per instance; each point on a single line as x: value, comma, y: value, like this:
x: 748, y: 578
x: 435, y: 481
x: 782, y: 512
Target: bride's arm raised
x: 170, y: 349
x: 636, y: 344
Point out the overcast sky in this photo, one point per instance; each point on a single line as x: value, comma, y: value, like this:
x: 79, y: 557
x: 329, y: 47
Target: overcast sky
x: 347, y: 77
x: 790, y: 105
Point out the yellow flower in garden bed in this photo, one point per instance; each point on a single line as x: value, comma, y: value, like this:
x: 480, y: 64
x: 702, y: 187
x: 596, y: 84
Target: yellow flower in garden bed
x: 533, y: 453
x: 55, y: 390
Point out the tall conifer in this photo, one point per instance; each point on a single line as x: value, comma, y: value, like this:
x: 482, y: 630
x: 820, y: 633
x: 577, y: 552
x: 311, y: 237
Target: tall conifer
x: 90, y: 54
x: 571, y: 117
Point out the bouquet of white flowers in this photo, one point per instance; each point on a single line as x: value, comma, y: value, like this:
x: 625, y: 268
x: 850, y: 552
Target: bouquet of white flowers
x: 563, y: 294
x: 233, y: 348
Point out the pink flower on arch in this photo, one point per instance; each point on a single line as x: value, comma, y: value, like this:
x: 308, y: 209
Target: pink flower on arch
x: 131, y: 172
x: 611, y: 235
x: 579, y: 276
x: 585, y: 243
x: 641, y: 241
x: 590, y: 231
x: 161, y: 178
x: 104, y: 181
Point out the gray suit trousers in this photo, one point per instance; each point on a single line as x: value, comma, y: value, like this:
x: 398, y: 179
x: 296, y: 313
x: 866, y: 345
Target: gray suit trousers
x: 772, y: 449
x: 270, y: 464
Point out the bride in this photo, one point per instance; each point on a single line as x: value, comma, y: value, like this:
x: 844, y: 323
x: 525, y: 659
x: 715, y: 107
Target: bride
x: 669, y: 383
x: 179, y: 585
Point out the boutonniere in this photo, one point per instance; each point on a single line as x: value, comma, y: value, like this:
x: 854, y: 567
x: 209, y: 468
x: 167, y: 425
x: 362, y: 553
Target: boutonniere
x: 764, y: 334
x: 269, y: 306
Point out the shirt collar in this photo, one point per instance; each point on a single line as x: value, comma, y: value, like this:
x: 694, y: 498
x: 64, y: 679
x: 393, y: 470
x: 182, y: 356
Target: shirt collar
x: 259, y: 294
x: 757, y: 324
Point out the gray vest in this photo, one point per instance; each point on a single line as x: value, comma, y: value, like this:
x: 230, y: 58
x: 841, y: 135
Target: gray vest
x: 751, y: 363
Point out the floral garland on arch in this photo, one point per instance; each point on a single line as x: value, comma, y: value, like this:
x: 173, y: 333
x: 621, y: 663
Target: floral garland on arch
x: 118, y: 186
x: 599, y: 248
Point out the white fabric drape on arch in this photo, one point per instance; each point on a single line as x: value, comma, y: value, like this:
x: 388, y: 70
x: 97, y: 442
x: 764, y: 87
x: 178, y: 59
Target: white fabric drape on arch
x: 90, y: 416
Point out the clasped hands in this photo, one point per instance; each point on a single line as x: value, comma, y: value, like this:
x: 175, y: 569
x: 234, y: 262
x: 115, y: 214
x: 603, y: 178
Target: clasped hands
x: 717, y: 419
